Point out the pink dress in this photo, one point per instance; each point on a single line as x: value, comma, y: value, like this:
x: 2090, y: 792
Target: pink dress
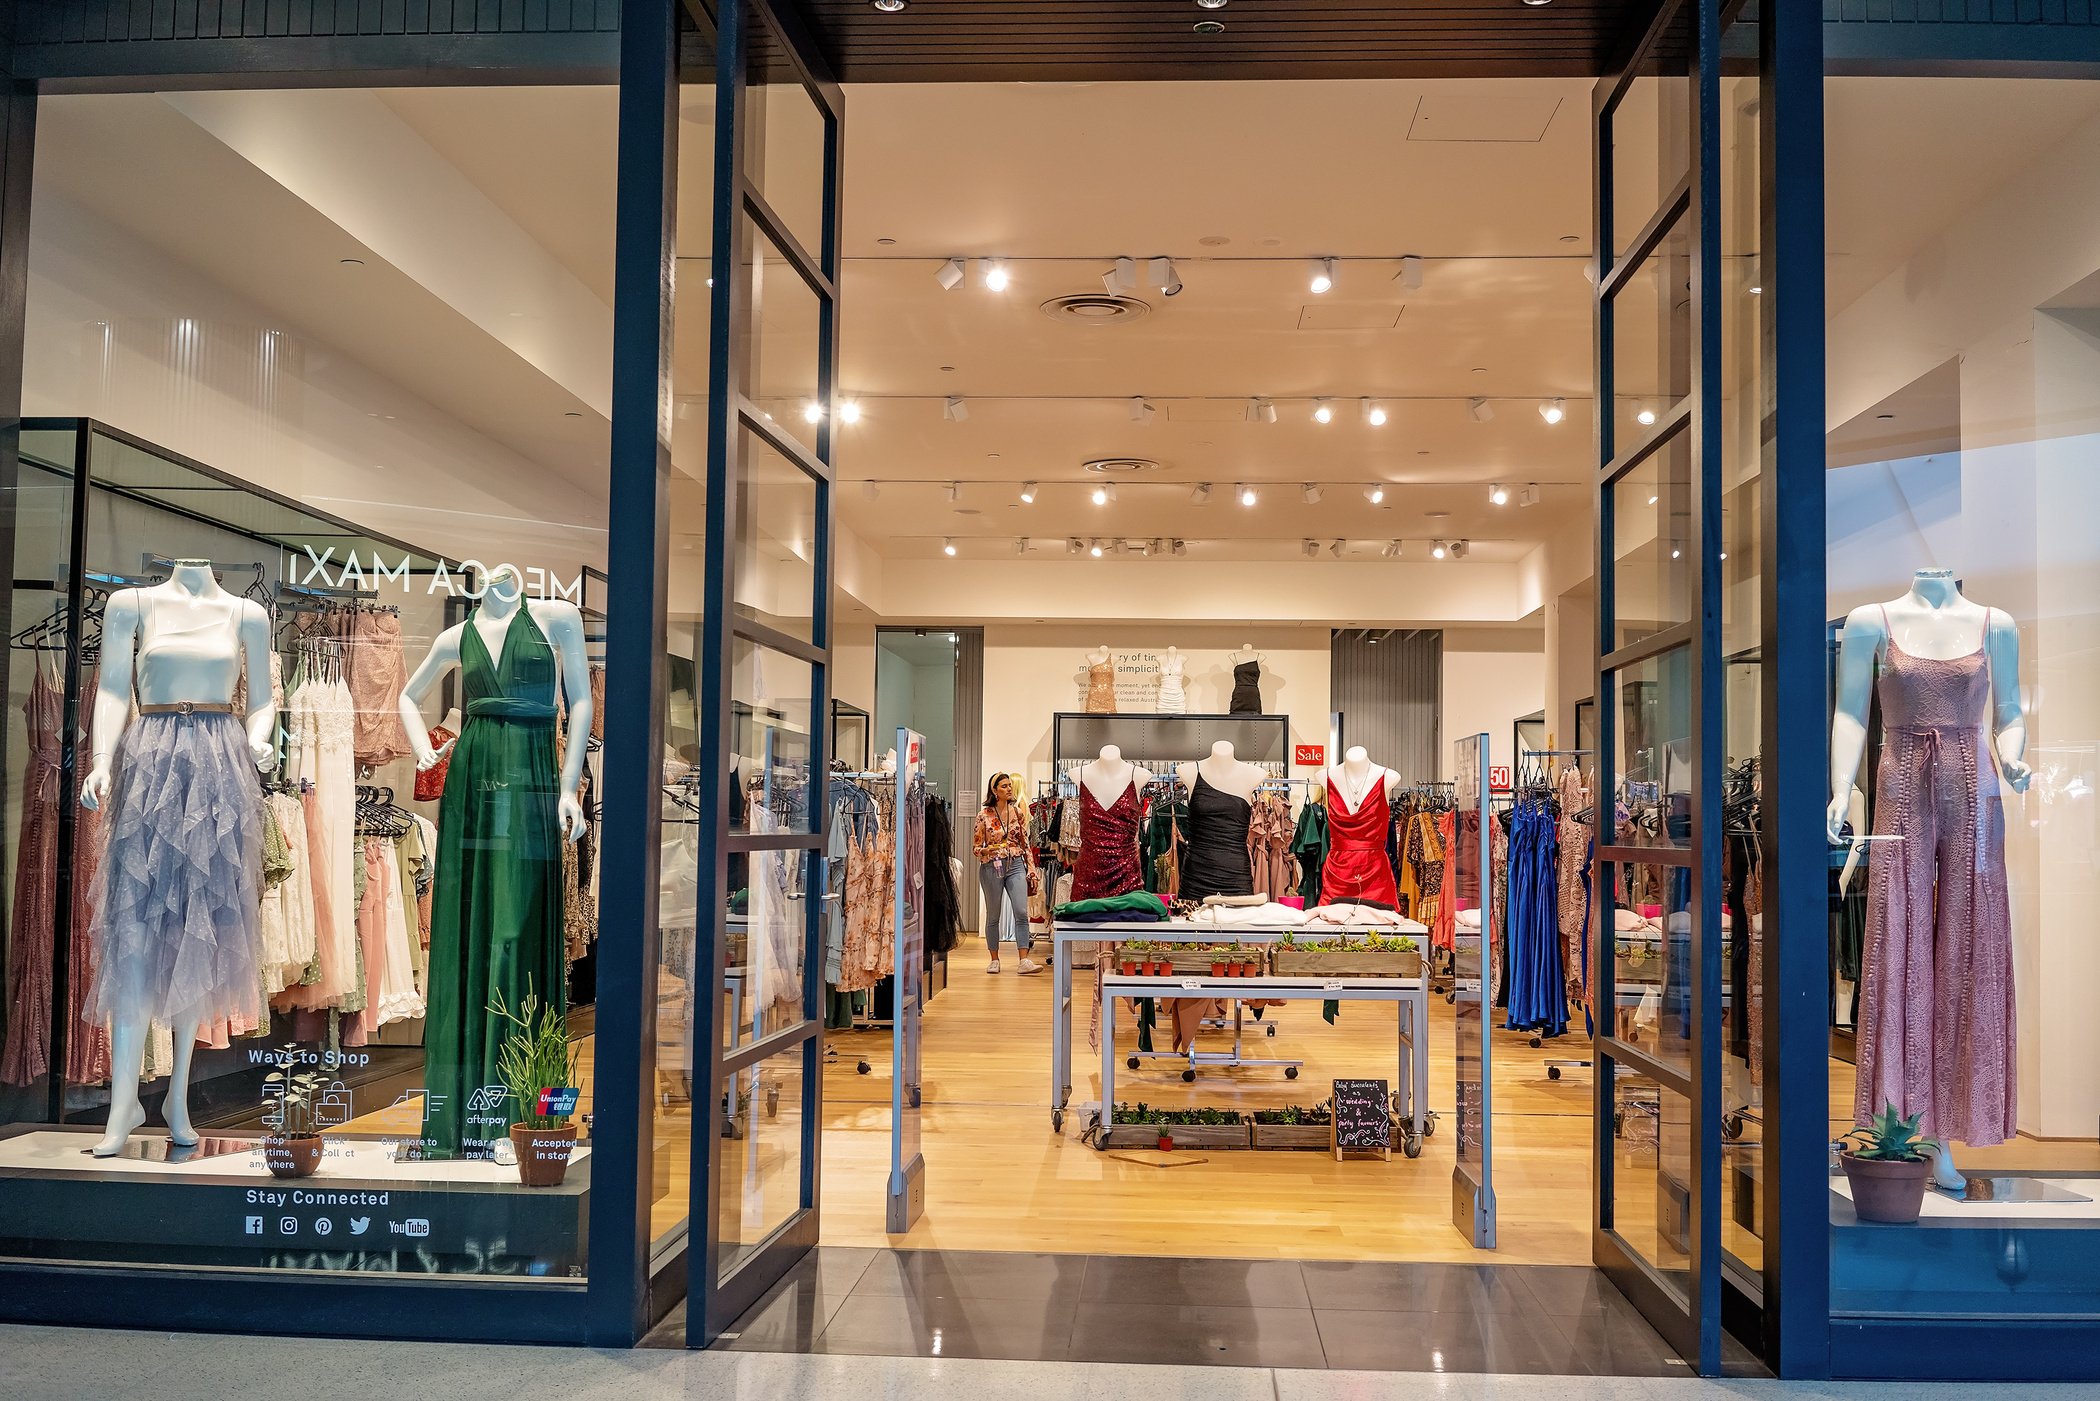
x: 1936, y: 994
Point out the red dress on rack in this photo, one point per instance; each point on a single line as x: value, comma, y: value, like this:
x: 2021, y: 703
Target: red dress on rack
x: 1357, y: 865
x: 1108, y: 846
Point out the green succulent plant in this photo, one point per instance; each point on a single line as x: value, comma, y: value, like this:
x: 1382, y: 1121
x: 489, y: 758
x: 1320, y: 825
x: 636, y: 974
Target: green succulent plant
x: 1890, y: 1138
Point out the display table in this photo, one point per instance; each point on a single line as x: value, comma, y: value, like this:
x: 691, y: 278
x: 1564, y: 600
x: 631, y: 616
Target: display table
x: 1410, y: 994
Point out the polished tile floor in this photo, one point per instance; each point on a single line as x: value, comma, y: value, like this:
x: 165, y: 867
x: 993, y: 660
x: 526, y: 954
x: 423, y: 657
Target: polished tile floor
x: 1507, y: 1319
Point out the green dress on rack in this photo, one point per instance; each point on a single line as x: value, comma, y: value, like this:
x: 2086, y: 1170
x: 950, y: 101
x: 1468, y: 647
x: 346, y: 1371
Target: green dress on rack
x: 496, y: 905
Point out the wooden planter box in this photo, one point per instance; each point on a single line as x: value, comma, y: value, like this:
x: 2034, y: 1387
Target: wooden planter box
x: 1185, y: 1135
x: 1291, y: 1135
x: 1345, y: 963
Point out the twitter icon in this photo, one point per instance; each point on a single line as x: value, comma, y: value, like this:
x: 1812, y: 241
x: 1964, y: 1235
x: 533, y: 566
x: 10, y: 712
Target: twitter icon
x: 360, y: 1224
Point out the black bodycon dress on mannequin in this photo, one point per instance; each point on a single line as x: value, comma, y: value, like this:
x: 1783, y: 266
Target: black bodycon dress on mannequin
x: 1215, y: 862
x: 1246, y: 689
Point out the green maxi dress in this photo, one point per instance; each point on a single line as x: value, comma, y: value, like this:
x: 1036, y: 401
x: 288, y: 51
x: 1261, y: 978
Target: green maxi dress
x: 496, y: 907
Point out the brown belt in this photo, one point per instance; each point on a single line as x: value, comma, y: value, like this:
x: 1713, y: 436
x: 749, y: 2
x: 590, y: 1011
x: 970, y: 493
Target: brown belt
x: 188, y: 708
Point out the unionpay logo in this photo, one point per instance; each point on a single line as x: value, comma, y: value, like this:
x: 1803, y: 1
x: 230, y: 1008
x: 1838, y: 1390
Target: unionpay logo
x: 557, y: 1102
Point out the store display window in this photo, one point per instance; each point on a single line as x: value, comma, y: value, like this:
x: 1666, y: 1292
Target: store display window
x: 1964, y: 399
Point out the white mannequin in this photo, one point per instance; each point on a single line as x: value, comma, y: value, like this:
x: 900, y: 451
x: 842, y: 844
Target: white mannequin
x: 1098, y: 656
x: 1109, y: 775
x: 1247, y: 653
x: 190, y: 597
x: 1224, y: 772
x: 1356, y: 775
x: 497, y: 604
x: 453, y: 722
x: 1173, y: 696
x: 1932, y: 620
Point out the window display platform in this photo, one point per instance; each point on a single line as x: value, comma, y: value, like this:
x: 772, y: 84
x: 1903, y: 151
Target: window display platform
x: 217, y: 1204
x: 1995, y: 1257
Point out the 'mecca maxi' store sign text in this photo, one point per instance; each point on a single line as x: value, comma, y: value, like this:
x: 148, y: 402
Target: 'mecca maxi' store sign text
x: 469, y: 580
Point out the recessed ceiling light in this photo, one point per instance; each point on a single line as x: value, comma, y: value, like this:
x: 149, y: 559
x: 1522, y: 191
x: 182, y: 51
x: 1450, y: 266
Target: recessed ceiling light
x: 1536, y: 3
x: 1644, y: 416
x: 1884, y: 416
x: 890, y: 7
x: 1210, y: 4
x: 566, y: 413
x: 1214, y: 240
x: 1571, y: 238
x: 351, y: 262
x: 1209, y: 26
x: 887, y: 242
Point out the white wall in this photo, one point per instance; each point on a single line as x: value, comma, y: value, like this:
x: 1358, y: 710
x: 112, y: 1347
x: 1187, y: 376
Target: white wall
x: 1490, y: 679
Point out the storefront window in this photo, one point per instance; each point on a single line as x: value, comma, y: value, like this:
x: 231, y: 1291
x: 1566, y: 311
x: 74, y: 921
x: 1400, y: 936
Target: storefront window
x: 301, y: 948
x: 1964, y: 399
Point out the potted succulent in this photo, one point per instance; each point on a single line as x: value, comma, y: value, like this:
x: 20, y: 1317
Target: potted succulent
x: 538, y: 1066
x: 1293, y: 1126
x: 1887, y: 1164
x: 294, y: 1144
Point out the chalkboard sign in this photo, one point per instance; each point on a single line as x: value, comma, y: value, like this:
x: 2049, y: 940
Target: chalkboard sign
x: 1362, y: 1115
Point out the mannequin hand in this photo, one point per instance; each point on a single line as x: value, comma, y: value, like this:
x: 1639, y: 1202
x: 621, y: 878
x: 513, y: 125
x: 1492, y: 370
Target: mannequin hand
x: 1834, y: 818
x: 2017, y: 774
x: 95, y: 787
x: 571, y: 816
x: 263, y: 752
x: 430, y: 758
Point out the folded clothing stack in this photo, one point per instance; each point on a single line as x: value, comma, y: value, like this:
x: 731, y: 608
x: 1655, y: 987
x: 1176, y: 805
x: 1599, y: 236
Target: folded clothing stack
x: 1137, y: 907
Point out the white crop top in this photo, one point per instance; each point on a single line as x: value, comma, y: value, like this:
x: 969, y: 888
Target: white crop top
x: 186, y: 657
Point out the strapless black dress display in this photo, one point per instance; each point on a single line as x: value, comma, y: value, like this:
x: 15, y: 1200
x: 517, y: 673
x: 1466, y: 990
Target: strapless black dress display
x: 1246, y: 689
x: 1215, y: 861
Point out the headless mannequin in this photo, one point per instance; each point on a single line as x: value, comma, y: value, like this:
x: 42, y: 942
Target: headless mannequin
x: 1108, y: 776
x: 1247, y: 653
x: 1171, y: 664
x: 1098, y: 656
x: 453, y: 722
x: 498, y: 603
x: 1355, y: 776
x: 1224, y: 772
x: 1933, y: 620
x: 190, y: 598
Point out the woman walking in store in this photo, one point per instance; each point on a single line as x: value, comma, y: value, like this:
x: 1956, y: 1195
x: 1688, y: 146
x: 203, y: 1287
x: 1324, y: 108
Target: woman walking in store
x: 1004, y: 869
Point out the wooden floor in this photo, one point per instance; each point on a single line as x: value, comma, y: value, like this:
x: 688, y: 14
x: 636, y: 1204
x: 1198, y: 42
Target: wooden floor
x: 999, y: 1178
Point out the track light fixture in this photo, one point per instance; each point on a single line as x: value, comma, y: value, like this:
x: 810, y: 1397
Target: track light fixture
x: 1438, y: 550
x: 1180, y: 547
x: 1021, y: 546
x: 1323, y: 412
x: 1246, y: 494
x: 951, y: 275
x: 948, y: 546
x: 1311, y: 492
x: 1375, y: 493
x: 849, y: 411
x: 1411, y: 273
x: 1553, y: 410
x: 1481, y: 410
x: 1335, y: 547
x: 1121, y: 278
x: 1311, y: 548
x: 870, y: 490
x: 954, y: 492
x: 1374, y: 414
x: 1103, y: 493
x: 1322, y: 275
x: 1260, y: 410
x: 1461, y: 548
x: 1159, y: 272
x: 1530, y: 495
x: 1391, y: 549
x: 1498, y: 495
x: 1027, y: 493
x: 1095, y: 549
x: 954, y: 409
x: 1199, y: 494
x: 1073, y: 544
x: 1141, y: 411
x: 812, y: 412
x: 995, y: 277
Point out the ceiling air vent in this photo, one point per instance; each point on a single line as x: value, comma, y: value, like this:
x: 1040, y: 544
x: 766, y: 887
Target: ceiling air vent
x: 1121, y: 466
x: 1095, y: 308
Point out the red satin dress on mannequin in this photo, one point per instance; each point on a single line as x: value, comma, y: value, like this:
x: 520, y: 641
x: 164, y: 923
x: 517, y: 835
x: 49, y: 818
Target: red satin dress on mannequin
x: 1357, y: 865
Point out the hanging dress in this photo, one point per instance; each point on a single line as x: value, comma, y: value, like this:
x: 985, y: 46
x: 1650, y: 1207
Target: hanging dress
x: 1357, y: 866
x: 496, y: 909
x: 1216, y: 861
x: 1936, y: 996
x: 1173, y: 695
x: 1246, y: 689
x: 1101, y: 687
x: 1108, y: 845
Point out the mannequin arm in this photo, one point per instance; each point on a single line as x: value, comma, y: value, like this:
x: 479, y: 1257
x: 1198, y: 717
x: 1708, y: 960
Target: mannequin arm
x: 2008, y: 704
x: 262, y: 700
x: 566, y: 631
x: 443, y: 656
x: 1848, y: 726
x: 1856, y: 813
x: 120, y: 635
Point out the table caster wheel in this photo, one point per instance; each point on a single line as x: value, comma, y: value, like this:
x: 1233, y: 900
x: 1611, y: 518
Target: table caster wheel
x: 1271, y: 1030
x: 1537, y: 1042
x: 1188, y: 1077
x: 1429, y: 1124
x: 1452, y: 998
x: 1552, y: 1072
x: 1057, y: 1121
x: 1290, y: 1072
x: 1132, y: 1062
x: 863, y: 1067
x: 1410, y: 1145
x: 1731, y: 1126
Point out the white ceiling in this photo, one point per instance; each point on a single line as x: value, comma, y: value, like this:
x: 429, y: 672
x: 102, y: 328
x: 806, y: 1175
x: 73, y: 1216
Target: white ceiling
x: 1241, y: 183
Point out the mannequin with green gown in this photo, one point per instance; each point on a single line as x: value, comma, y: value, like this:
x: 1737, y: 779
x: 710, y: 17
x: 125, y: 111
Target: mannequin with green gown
x: 496, y: 904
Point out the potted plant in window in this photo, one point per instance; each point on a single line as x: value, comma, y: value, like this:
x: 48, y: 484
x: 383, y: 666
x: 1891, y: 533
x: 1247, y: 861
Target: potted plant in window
x: 294, y: 1144
x: 1887, y: 1164
x: 538, y: 1066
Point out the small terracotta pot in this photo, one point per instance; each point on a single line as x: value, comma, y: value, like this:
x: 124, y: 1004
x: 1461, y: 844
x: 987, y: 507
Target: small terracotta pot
x: 298, y: 1156
x: 1889, y: 1192
x: 1166, y: 1143
x: 1130, y: 967
x: 1166, y: 968
x: 543, y: 1154
x: 1222, y: 969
